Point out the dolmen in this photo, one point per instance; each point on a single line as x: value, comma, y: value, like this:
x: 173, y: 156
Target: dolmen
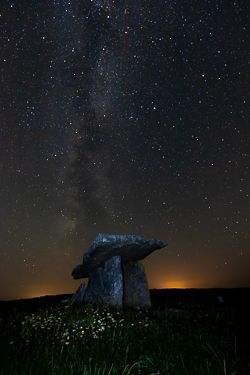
x: 116, y: 277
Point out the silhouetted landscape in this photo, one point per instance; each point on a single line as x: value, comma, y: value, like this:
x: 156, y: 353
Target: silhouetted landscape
x: 186, y: 331
x: 238, y: 298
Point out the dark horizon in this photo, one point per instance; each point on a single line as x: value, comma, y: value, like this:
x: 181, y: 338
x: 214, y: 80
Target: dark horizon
x: 154, y: 289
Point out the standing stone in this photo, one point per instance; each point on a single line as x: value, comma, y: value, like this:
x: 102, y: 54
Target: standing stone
x: 113, y: 283
x: 78, y: 296
x: 95, y: 289
x: 135, y: 286
x: 105, y: 285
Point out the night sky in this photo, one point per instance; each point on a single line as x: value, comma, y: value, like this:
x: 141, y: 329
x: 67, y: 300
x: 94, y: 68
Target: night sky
x: 124, y: 117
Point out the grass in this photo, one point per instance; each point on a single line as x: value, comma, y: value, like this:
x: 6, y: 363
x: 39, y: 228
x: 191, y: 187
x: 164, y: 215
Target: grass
x: 90, y: 341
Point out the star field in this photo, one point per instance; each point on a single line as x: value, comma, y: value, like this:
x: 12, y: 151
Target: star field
x: 124, y: 118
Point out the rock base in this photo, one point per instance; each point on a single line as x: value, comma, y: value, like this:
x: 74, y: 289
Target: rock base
x: 78, y: 296
x: 119, y: 285
x: 135, y: 288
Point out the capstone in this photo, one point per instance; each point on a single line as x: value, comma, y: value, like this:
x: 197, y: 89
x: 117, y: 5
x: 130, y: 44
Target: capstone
x: 105, y: 246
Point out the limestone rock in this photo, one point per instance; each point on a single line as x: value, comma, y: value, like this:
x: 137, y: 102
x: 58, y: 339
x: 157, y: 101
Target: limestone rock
x: 105, y: 285
x: 135, y: 289
x: 95, y: 289
x: 104, y: 247
x: 116, y: 278
x: 76, y: 273
x: 113, y: 282
x: 78, y: 296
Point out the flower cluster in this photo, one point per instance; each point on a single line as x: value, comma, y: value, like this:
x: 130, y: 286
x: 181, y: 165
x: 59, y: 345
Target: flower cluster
x: 57, y: 325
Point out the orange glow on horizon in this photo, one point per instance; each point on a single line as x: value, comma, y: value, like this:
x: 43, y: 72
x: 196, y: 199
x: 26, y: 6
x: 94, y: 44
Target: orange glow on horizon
x: 174, y: 285
x: 43, y: 292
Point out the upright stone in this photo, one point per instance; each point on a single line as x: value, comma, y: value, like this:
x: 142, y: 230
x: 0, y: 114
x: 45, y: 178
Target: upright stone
x: 78, y: 296
x: 113, y: 283
x: 95, y: 289
x: 135, y: 286
x: 105, y: 285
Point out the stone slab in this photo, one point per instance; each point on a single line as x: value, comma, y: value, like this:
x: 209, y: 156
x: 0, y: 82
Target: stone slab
x: 95, y: 289
x: 105, y: 287
x: 135, y: 289
x: 105, y: 246
x: 113, y: 283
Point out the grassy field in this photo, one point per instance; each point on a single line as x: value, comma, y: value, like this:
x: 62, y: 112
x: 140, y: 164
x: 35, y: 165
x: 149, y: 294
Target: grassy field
x: 82, y: 340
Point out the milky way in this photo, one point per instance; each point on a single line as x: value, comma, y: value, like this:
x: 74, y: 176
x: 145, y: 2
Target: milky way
x: 126, y: 117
